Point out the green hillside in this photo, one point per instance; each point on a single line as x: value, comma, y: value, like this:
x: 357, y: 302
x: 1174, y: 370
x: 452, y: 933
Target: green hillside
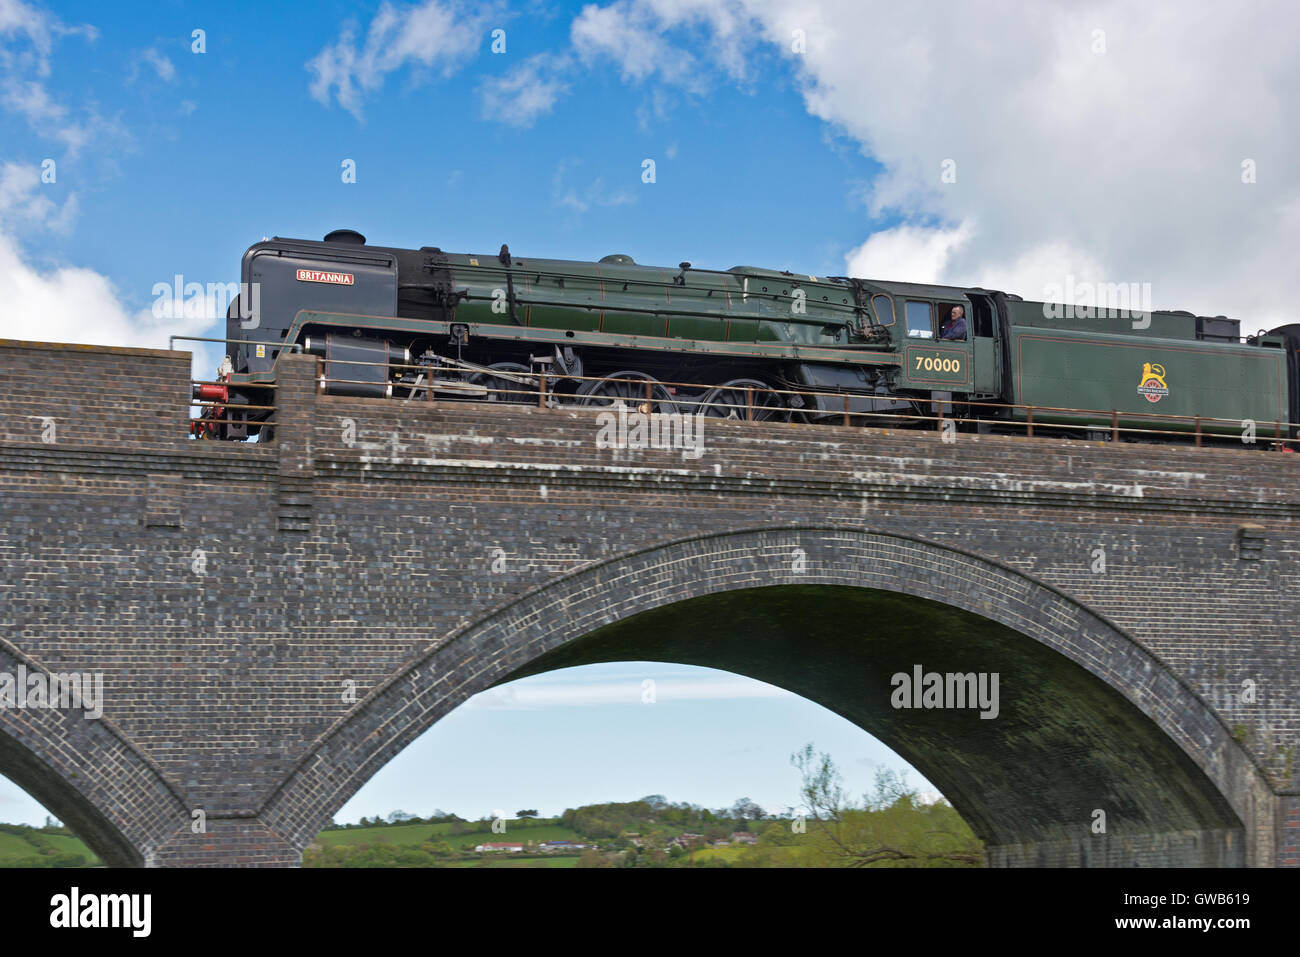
x: 889, y: 828
x: 440, y: 844
x: 23, y: 846
x: 414, y: 834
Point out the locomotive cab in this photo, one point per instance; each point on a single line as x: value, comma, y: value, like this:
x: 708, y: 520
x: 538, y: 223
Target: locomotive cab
x: 967, y: 366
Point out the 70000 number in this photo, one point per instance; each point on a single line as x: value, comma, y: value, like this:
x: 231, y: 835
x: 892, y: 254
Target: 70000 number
x: 931, y: 364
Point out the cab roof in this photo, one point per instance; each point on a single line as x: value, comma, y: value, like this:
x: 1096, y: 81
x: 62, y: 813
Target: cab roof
x: 917, y: 290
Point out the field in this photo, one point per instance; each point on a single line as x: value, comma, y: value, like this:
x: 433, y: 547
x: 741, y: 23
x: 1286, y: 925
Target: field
x: 511, y: 860
x: 728, y: 855
x: 22, y: 846
x: 412, y: 835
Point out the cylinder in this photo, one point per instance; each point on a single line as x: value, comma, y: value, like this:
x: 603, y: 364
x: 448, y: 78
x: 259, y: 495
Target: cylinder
x: 355, y: 365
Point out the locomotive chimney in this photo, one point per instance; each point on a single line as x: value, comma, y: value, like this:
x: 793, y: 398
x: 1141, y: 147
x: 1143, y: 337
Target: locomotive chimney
x: 345, y: 237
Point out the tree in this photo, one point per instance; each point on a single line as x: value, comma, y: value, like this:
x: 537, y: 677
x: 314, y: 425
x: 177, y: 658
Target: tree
x: 890, y: 787
x: 437, y: 847
x: 593, y: 858
x: 822, y: 788
x: 892, y: 828
x: 746, y: 810
x: 524, y: 814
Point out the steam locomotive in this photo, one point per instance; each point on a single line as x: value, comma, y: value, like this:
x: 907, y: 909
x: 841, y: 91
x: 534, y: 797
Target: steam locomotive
x: 767, y: 344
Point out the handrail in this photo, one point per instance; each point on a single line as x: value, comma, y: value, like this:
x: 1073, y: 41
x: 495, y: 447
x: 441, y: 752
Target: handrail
x: 1107, y: 420
x: 1111, y: 416
x: 292, y: 347
x: 706, y: 386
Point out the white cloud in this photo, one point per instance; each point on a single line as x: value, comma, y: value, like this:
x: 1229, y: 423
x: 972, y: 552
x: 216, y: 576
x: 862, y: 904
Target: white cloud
x: 926, y: 254
x: 74, y: 304
x: 162, y: 65
x: 528, y: 694
x: 70, y: 303
x: 23, y: 202
x: 907, y: 253
x: 436, y: 35
x: 17, y: 17
x: 648, y: 38
x: 655, y: 106
x: 595, y: 193
x: 625, y: 32
x: 1115, y: 166
x: 26, y: 40
x: 32, y: 100
x: 1120, y: 166
x: 528, y: 91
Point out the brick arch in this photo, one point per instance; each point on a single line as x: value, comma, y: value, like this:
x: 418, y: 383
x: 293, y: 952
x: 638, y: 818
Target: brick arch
x: 1181, y: 739
x: 90, y: 775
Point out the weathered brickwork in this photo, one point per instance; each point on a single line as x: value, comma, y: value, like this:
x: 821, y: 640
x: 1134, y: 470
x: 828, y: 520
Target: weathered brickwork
x: 275, y: 621
x: 225, y: 843
x: 1288, y: 853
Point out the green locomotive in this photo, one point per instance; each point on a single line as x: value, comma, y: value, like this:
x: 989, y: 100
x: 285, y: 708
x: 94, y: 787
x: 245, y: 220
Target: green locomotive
x: 766, y: 343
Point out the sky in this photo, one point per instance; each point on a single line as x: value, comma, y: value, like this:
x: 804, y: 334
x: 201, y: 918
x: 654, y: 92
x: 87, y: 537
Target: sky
x: 1028, y: 147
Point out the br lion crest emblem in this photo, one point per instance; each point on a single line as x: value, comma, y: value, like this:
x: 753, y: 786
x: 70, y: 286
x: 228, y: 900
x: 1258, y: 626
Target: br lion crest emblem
x: 1152, y: 384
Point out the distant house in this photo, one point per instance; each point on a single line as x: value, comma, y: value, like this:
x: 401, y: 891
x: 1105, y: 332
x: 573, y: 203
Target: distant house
x: 744, y: 837
x: 687, y: 839
x: 511, y: 848
x: 562, y: 846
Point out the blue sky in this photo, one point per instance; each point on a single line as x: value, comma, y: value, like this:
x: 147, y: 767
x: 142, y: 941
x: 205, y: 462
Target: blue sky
x: 1094, y: 141
x: 587, y: 735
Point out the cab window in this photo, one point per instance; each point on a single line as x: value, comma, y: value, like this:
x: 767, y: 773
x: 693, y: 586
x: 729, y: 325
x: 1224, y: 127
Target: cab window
x: 919, y: 323
x: 884, y: 310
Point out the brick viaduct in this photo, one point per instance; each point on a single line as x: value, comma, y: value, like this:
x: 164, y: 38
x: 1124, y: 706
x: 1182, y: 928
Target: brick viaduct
x: 232, y: 594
